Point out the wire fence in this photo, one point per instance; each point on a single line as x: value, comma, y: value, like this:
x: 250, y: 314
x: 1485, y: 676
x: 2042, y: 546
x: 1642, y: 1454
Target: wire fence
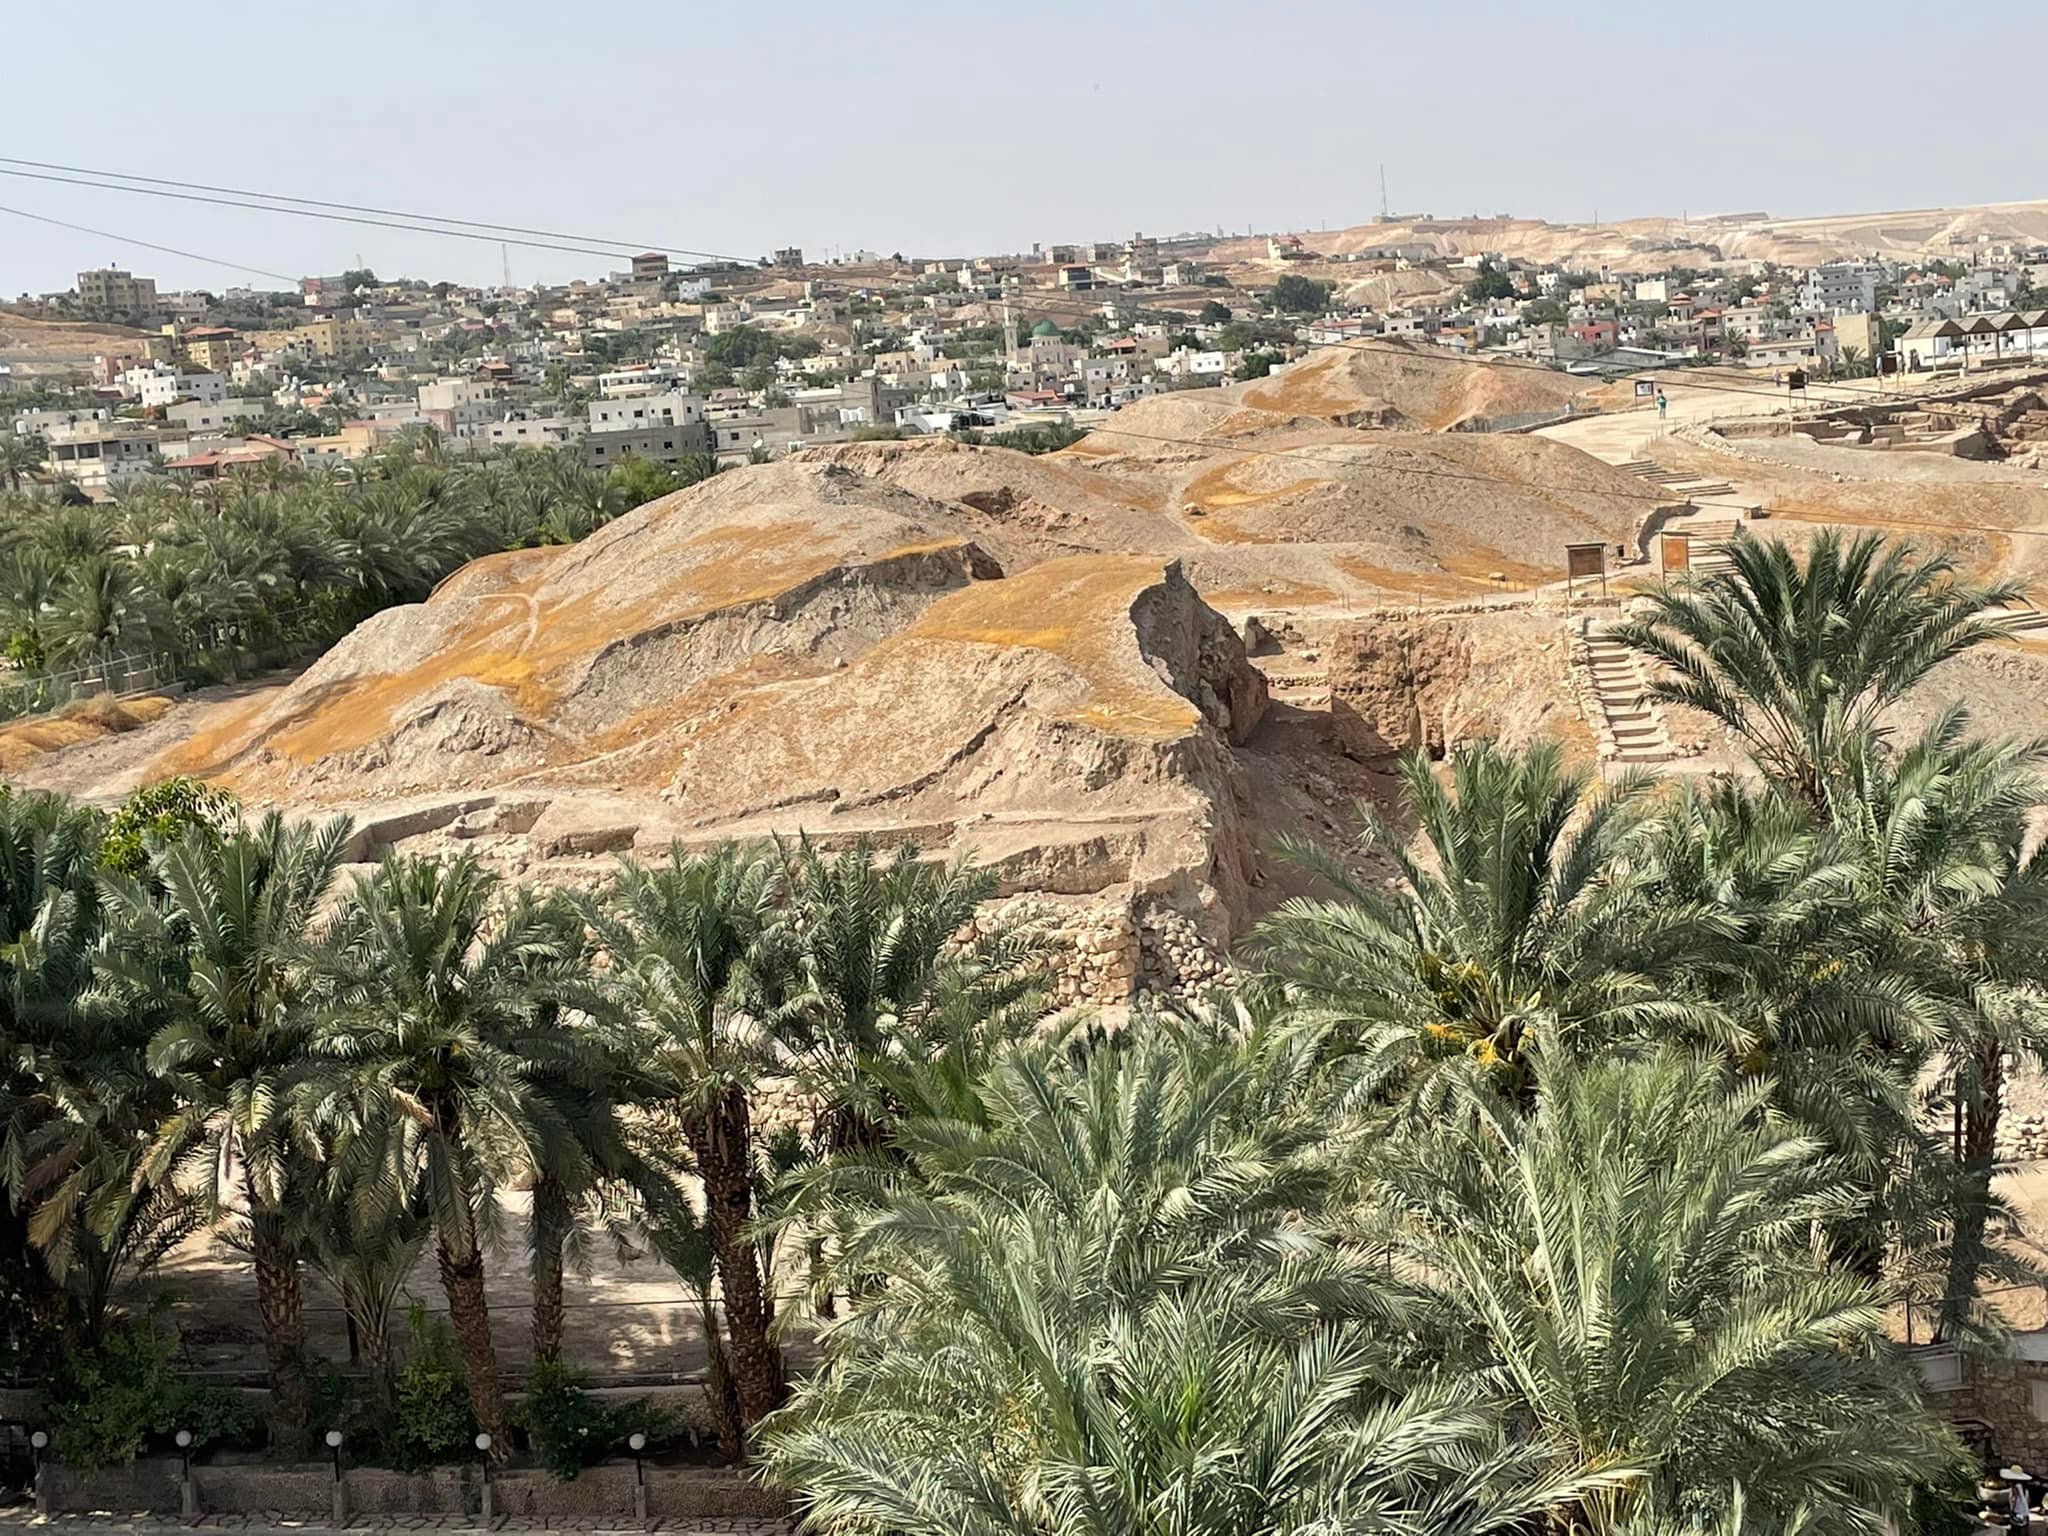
x: 217, y: 653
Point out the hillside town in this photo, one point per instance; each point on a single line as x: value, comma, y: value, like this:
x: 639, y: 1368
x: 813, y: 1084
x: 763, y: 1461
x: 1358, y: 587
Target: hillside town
x: 690, y: 367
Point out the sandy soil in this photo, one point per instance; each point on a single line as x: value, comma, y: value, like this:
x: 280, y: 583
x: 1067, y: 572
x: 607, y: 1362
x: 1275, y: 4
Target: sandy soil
x: 49, y: 348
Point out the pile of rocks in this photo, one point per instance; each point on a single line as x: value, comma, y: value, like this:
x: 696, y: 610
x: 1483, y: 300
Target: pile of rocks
x: 1094, y: 947
x: 2023, y: 1138
x: 1175, y: 959
x: 779, y: 1102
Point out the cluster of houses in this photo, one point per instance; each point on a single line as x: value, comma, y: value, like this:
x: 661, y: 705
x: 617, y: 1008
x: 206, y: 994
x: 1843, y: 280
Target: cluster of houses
x: 1859, y: 315
x: 736, y: 361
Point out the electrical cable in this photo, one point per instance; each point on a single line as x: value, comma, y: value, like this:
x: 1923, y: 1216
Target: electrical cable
x: 168, y: 250
x: 310, y: 213
x: 397, y: 213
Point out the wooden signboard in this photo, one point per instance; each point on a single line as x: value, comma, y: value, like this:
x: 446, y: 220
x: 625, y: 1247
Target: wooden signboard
x: 1586, y: 560
x: 1675, y: 550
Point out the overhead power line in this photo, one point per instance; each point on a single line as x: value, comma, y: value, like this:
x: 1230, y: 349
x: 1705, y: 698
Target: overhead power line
x: 148, y: 245
x: 609, y: 253
x: 630, y: 247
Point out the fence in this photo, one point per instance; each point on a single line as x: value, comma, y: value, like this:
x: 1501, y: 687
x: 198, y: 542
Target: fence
x: 1518, y: 421
x: 222, y: 652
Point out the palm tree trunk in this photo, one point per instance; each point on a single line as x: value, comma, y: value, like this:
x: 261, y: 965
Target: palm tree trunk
x: 282, y: 1304
x: 723, y: 1392
x: 551, y: 1224
x: 720, y: 1139
x: 462, y: 1277
x: 1976, y: 1151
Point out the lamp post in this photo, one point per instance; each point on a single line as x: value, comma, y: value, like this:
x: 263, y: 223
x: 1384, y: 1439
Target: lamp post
x: 637, y: 1444
x: 188, y: 1496
x: 334, y: 1438
x: 38, y: 1443
x: 483, y: 1450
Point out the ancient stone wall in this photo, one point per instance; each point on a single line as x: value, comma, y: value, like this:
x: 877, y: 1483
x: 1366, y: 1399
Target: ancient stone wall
x: 1390, y: 682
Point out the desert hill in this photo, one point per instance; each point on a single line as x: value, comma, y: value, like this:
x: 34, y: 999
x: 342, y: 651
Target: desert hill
x: 791, y: 648
x: 1270, y: 496
x: 1650, y: 244
x: 961, y: 645
x: 1406, y: 384
x: 38, y: 348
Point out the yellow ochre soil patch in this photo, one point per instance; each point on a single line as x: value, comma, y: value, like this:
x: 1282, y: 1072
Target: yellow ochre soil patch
x: 525, y: 644
x: 22, y: 742
x: 1275, y: 594
x: 1217, y: 490
x: 1077, y: 609
x: 1309, y: 389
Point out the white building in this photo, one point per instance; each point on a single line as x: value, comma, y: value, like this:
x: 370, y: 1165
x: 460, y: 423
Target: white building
x: 641, y: 413
x: 518, y: 428
x: 43, y: 422
x: 166, y: 389
x: 1837, y: 286
x: 197, y: 416
x: 623, y: 383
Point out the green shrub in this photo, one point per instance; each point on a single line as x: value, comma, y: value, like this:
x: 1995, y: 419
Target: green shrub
x: 431, y: 1420
x: 161, y: 812
x: 24, y: 650
x: 568, y: 1429
x: 108, y: 1401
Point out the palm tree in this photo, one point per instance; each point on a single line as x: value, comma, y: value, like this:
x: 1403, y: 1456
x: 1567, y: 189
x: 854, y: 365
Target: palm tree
x: 697, y: 949
x: 684, y: 1243
x: 1535, y: 904
x: 1108, y: 1310
x: 219, y: 929
x: 573, y: 1191
x: 1811, y: 1000
x: 441, y: 1037
x: 1799, y: 659
x: 366, y: 1243
x: 21, y: 455
x: 78, y: 1107
x: 28, y: 582
x: 881, y: 978
x: 99, y: 606
x: 1634, y: 1265
x: 1952, y: 895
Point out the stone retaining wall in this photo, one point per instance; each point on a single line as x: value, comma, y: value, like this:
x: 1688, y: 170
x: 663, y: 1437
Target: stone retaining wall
x: 308, y: 1489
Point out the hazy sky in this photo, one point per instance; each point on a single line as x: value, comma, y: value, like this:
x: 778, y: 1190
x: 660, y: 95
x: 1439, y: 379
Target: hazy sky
x: 953, y: 129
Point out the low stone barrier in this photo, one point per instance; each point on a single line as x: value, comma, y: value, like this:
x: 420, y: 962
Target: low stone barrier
x: 307, y: 1489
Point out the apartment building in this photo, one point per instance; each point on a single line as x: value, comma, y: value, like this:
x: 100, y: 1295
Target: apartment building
x: 642, y: 413
x: 111, y: 292
x: 1835, y: 286
x: 159, y: 390
x: 219, y: 415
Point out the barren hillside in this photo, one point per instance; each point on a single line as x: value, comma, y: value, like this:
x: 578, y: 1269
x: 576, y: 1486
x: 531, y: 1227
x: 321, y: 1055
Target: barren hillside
x: 790, y: 648
x: 45, y: 348
x: 1650, y: 244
